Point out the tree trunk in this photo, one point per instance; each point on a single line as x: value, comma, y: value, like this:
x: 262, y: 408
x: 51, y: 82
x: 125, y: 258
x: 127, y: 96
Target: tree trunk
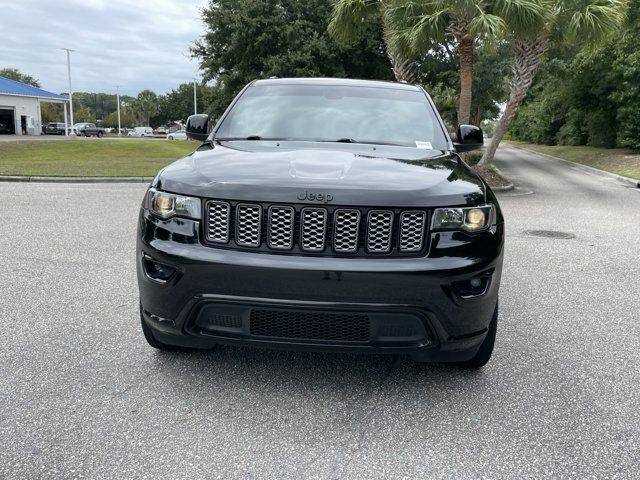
x: 527, y: 54
x: 403, y: 67
x: 477, y: 117
x: 459, y: 28
x: 403, y: 70
x: 465, y: 54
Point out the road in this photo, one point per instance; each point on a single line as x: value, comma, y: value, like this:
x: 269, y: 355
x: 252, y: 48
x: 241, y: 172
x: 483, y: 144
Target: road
x: 83, y: 396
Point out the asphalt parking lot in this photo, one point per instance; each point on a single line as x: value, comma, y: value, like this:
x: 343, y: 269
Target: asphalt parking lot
x: 83, y: 396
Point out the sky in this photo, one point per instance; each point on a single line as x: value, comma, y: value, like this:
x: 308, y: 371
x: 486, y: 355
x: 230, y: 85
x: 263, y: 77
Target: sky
x: 134, y: 44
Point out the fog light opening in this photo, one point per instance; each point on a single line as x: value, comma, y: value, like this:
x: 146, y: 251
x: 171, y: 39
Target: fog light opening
x: 474, y: 287
x: 155, y: 270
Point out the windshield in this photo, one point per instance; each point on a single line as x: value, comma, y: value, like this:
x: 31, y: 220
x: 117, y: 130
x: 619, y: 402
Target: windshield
x: 331, y: 113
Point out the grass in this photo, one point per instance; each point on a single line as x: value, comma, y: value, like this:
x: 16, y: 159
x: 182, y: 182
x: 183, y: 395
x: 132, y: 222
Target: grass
x: 615, y: 160
x: 90, y: 157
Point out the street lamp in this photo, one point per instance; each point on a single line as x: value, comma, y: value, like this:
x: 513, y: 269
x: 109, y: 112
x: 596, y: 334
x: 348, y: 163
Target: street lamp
x: 118, y: 100
x: 195, y: 104
x: 68, y: 50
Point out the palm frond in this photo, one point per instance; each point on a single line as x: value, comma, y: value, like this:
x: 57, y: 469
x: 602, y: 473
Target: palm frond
x: 350, y: 17
x: 487, y: 26
x: 526, y: 17
x: 597, y: 21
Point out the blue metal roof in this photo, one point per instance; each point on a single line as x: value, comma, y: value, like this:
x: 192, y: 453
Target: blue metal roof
x: 11, y: 87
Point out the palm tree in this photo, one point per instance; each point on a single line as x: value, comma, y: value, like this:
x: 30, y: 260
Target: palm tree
x: 421, y: 23
x: 145, y: 106
x: 411, y: 27
x: 532, y: 26
x: 350, y: 17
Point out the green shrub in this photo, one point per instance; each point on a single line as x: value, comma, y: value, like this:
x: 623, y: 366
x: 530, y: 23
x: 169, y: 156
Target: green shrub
x: 472, y: 158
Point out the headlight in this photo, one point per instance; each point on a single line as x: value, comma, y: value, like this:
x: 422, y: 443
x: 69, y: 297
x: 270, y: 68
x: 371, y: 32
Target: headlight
x: 471, y: 219
x: 167, y: 205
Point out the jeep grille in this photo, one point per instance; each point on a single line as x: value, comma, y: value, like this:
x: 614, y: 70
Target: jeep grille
x: 311, y: 230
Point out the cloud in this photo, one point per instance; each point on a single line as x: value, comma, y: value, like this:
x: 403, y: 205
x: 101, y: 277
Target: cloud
x: 134, y: 44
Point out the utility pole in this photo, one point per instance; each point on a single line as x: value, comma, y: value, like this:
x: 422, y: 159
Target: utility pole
x: 195, y: 104
x: 118, y: 100
x: 68, y: 50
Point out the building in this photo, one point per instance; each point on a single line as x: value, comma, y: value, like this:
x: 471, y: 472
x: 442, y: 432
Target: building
x: 20, y: 107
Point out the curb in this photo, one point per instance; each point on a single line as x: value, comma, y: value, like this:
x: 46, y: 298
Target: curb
x: 506, y: 188
x: 27, y: 178
x: 627, y: 180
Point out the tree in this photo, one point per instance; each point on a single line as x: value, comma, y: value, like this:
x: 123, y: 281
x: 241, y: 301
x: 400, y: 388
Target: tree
x: 17, y: 75
x: 422, y: 24
x: 127, y: 118
x: 350, y: 19
x: 178, y: 103
x: 533, y: 26
x: 51, y: 112
x: 439, y: 73
x: 250, y: 39
x: 145, y: 105
x: 83, y: 114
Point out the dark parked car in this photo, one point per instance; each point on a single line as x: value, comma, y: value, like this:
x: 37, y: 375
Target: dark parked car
x: 6, y: 129
x: 90, y: 130
x: 324, y: 214
x: 55, y: 128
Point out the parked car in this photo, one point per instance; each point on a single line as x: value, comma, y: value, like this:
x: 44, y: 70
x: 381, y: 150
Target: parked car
x: 90, y: 130
x: 324, y: 214
x: 6, y: 129
x: 55, y: 128
x: 141, y: 132
x: 178, y: 135
x: 78, y: 128
x: 161, y: 131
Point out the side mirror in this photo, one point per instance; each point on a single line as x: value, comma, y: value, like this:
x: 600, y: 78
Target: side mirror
x: 468, y: 137
x: 198, y: 127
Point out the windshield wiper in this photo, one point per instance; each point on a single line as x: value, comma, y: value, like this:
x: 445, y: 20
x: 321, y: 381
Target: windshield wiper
x: 363, y: 142
x: 250, y: 137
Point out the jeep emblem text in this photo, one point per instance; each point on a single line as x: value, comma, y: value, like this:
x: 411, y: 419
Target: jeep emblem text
x: 315, y: 197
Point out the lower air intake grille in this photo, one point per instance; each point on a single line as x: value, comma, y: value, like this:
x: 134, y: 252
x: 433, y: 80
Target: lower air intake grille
x: 340, y: 327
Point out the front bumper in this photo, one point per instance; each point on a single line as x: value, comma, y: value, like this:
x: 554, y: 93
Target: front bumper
x: 410, y: 304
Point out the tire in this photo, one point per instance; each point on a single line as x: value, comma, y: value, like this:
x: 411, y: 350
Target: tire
x: 99, y: 135
x: 170, y: 138
x: 483, y: 355
x: 86, y: 134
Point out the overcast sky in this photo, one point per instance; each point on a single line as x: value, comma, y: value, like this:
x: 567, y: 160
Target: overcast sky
x: 135, y: 44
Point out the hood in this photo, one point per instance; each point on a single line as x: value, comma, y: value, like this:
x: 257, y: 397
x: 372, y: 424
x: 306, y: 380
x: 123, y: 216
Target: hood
x: 332, y: 173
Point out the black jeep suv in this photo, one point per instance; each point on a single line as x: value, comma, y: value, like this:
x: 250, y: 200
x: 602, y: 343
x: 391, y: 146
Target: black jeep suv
x: 324, y: 214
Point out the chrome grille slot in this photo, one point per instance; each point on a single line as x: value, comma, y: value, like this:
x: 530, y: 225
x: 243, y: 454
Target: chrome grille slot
x: 346, y: 226
x: 412, y: 230
x: 313, y: 226
x: 280, y: 229
x: 380, y: 228
x: 218, y: 224
x: 248, y: 223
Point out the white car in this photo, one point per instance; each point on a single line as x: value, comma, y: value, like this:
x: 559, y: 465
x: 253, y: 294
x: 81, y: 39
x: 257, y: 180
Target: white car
x: 179, y: 135
x: 141, y: 132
